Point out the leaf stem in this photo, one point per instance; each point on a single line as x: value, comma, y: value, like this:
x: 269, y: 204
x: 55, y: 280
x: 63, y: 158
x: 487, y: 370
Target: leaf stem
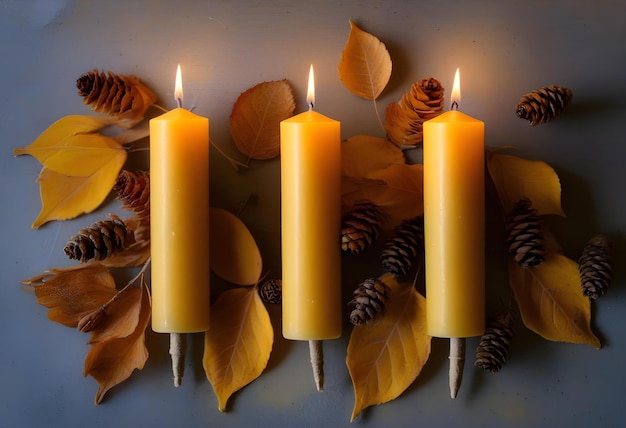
x: 380, y: 122
x: 127, y: 286
x: 232, y: 161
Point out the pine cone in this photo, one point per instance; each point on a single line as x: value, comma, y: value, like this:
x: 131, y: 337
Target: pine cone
x: 494, y: 344
x: 368, y: 301
x: 402, y: 248
x: 360, y: 227
x: 123, y: 96
x: 525, y: 235
x: 98, y: 241
x: 543, y: 105
x: 271, y: 291
x: 404, y: 119
x: 595, y: 267
x: 133, y: 190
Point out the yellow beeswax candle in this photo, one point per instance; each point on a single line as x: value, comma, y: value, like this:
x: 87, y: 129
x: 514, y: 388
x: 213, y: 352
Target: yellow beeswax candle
x: 310, y: 152
x: 179, y: 221
x: 454, y: 224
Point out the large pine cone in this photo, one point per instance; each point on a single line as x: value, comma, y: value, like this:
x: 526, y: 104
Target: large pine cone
x: 402, y: 248
x: 525, y: 240
x: 359, y: 228
x: 404, y: 119
x: 99, y: 241
x: 544, y: 104
x: 595, y: 267
x: 123, y: 96
x: 368, y: 301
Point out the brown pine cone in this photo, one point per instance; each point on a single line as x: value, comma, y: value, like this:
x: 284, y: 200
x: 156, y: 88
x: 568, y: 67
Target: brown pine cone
x: 119, y: 95
x: 402, y: 248
x: 271, y: 291
x: 543, y: 105
x: 98, y: 241
x: 359, y: 228
x: 368, y: 301
x: 495, y: 343
x: 525, y: 236
x: 405, y: 118
x: 133, y: 190
x: 595, y: 267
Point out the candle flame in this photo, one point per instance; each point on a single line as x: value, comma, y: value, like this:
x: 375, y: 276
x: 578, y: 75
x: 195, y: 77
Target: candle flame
x: 456, y: 91
x: 178, y: 88
x: 310, y: 95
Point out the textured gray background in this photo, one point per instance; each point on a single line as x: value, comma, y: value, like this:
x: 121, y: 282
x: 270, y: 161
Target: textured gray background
x: 504, y: 49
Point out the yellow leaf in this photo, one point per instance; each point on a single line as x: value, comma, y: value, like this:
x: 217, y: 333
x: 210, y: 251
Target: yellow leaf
x: 365, y: 65
x: 64, y: 197
x: 112, y: 361
x: 78, y: 155
x: 362, y: 154
x: 551, y: 301
x: 71, y: 293
x: 234, y: 254
x: 256, y: 116
x: 398, y: 189
x: 238, y: 345
x: 386, y: 356
x: 516, y: 178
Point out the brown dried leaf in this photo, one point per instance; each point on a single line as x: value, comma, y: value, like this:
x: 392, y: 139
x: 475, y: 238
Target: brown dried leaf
x: 71, y: 293
x: 365, y: 65
x: 362, y: 154
x: 256, y: 116
x: 112, y: 360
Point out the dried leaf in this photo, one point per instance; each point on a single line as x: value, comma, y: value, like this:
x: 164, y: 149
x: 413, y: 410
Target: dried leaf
x: 64, y: 197
x: 550, y: 300
x: 398, y: 189
x: 113, y: 360
x: 71, y: 293
x: 256, y: 116
x: 516, y: 178
x: 238, y: 345
x: 365, y: 65
x: 362, y: 154
x: 122, y: 317
x: 234, y: 254
x: 386, y: 356
x: 71, y: 147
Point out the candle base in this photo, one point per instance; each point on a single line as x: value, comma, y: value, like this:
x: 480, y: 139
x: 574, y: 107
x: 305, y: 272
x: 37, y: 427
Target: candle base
x: 177, y: 354
x: 317, y: 362
x: 457, y: 361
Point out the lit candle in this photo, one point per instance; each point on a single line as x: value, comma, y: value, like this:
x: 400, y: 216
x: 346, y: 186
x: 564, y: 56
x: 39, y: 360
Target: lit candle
x: 310, y: 152
x: 454, y: 223
x: 179, y: 220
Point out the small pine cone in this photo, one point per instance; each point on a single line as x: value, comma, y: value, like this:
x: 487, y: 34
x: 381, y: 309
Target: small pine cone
x: 271, y: 291
x: 401, y: 249
x: 543, y: 105
x: 123, y: 96
x: 368, y: 301
x: 98, y: 241
x: 494, y: 344
x: 595, y: 267
x: 404, y: 120
x: 133, y: 190
x: 359, y: 228
x: 525, y: 235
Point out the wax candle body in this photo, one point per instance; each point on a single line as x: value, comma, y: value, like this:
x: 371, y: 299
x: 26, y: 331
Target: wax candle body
x: 179, y: 222
x: 454, y: 225
x: 310, y: 151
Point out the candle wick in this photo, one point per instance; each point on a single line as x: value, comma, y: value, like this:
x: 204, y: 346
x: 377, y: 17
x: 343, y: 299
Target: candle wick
x: 311, y: 105
x: 179, y: 102
x: 455, y: 105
